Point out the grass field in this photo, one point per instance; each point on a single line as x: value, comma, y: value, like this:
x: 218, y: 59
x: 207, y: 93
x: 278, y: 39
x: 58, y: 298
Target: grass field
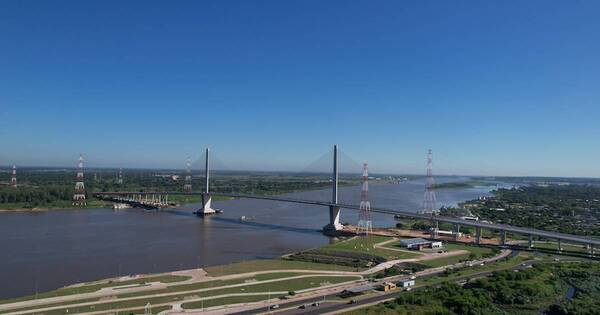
x: 498, y: 265
x: 213, y: 284
x: 475, y: 252
x: 181, y: 288
x: 95, y: 286
x: 283, y: 285
x: 270, y: 264
x: 366, y: 245
x: 226, y: 301
x: 154, y: 310
x: 565, y: 247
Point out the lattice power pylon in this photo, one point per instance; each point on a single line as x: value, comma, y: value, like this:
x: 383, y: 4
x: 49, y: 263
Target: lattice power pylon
x: 13, y: 178
x: 120, y: 177
x: 188, y: 175
x: 365, y: 226
x: 79, y: 196
x: 429, y: 200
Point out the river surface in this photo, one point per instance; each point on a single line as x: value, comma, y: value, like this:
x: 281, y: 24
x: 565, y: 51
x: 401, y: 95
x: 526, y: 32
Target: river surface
x: 47, y: 250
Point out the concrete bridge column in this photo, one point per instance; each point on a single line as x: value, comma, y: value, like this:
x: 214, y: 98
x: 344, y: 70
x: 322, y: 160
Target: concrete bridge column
x: 206, y: 197
x: 530, y: 243
x: 434, y: 229
x: 591, y: 250
x: 334, y: 211
x: 478, y: 235
x: 502, y: 237
x: 559, y: 248
x: 334, y: 220
x: 455, y: 234
x: 206, y: 206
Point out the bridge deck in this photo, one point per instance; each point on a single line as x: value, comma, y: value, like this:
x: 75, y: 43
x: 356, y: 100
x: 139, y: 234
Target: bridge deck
x: 483, y: 225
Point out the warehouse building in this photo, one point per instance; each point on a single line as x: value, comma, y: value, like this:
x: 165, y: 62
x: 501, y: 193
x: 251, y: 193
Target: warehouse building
x: 419, y: 243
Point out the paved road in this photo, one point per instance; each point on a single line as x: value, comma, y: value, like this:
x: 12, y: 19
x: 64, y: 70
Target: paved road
x: 339, y: 307
x: 289, y: 308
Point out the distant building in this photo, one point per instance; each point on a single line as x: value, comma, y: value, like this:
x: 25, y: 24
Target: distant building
x: 407, y: 283
x: 388, y: 286
x: 419, y: 243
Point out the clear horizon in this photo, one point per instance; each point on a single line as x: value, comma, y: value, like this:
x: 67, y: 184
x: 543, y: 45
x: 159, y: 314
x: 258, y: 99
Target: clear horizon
x: 494, y: 89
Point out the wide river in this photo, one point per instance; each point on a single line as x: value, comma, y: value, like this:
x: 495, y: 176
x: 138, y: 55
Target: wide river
x: 47, y: 250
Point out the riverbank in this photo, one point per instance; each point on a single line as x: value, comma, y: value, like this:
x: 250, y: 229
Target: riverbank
x: 101, y: 243
x: 218, y: 285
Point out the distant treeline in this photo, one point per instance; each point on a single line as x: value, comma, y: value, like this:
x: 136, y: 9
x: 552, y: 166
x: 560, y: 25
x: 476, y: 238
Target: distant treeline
x: 55, y: 187
x: 35, y: 196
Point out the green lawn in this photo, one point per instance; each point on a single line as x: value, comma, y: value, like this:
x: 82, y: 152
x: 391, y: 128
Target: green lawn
x: 226, y: 301
x: 444, y: 261
x: 277, y: 275
x: 475, y: 252
x: 95, y: 286
x: 180, y: 288
x: 506, y: 263
x: 213, y: 284
x: 565, y: 247
x: 155, y: 310
x: 364, y: 244
x: 283, y: 285
x: 270, y: 264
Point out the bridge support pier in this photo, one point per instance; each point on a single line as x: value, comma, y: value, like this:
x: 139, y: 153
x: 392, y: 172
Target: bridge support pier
x: 591, y: 247
x: 206, y: 206
x: 477, y: 235
x: 502, y: 237
x: 530, y: 243
x: 334, y: 224
x: 434, y: 229
x: 456, y: 232
x: 559, y: 247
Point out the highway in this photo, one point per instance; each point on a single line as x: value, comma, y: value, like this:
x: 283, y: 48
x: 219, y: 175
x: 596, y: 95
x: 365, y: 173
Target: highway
x: 401, y: 213
x: 324, y: 306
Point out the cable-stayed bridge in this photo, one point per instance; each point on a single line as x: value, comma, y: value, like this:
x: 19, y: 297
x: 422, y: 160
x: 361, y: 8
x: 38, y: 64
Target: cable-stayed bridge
x: 334, y: 207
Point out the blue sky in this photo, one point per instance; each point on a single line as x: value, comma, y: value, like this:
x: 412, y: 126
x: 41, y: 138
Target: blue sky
x: 493, y: 87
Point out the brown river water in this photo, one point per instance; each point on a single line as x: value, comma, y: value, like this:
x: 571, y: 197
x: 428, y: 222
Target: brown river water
x: 47, y: 250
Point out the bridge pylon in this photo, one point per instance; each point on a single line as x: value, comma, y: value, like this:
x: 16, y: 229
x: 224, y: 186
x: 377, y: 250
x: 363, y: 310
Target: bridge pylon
x: 206, y: 197
x: 334, y: 224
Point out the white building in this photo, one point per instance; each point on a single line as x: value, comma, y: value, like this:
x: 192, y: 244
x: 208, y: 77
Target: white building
x: 419, y: 243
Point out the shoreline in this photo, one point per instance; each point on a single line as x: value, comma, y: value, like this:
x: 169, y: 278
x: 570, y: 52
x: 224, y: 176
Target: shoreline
x: 207, y: 276
x: 39, y: 210
x: 106, y: 206
x: 48, y: 209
